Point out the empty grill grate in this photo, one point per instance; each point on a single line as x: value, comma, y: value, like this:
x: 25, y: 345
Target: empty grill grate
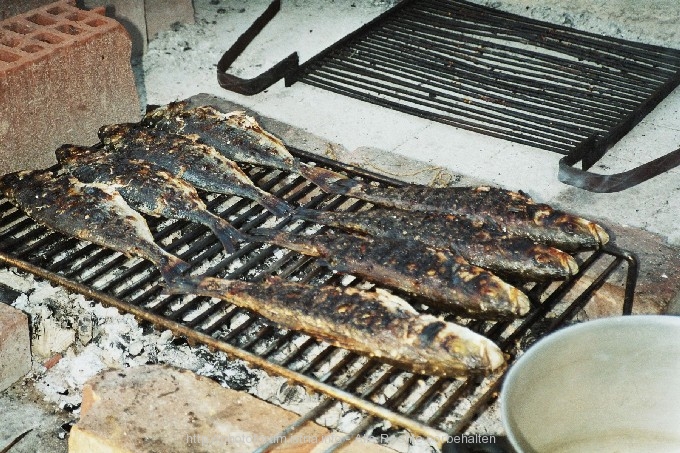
x: 495, y: 73
x: 491, y: 72
x: 426, y: 406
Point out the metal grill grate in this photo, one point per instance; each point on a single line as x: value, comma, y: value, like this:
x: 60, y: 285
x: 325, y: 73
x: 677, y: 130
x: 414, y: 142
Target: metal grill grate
x: 495, y: 73
x: 426, y: 406
x: 499, y: 74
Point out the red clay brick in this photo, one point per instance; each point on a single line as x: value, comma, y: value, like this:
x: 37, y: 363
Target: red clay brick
x: 15, y: 346
x: 64, y: 72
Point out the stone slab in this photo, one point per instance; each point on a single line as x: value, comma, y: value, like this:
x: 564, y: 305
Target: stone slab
x: 158, y: 409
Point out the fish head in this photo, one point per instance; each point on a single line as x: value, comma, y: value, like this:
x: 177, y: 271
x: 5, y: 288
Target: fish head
x: 567, y: 231
x: 266, y: 142
x: 500, y: 298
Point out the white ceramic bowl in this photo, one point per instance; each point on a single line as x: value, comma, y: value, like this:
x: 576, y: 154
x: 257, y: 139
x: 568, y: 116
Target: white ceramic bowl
x: 610, y: 385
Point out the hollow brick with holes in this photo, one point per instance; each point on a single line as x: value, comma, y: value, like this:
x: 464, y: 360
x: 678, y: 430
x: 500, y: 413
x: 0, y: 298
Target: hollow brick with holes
x: 64, y: 72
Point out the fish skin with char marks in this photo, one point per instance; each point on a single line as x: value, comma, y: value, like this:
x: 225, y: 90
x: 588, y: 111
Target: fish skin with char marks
x: 513, y: 212
x: 197, y: 163
x: 147, y: 188
x: 378, y: 324
x: 93, y: 212
x: 448, y: 281
x: 472, y: 239
x: 237, y: 136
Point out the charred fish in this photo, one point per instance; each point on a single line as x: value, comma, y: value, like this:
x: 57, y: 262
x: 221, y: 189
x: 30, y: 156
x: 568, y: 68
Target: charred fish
x: 513, y: 212
x: 375, y: 323
x: 196, y: 163
x: 446, y: 279
x: 237, y: 136
x: 472, y: 239
x: 147, y: 188
x: 93, y: 212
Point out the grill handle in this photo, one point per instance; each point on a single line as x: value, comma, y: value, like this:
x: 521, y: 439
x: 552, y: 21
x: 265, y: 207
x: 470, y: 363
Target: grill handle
x: 617, y: 182
x: 263, y: 81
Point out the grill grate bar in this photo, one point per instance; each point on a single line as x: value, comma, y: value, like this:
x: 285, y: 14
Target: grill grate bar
x: 499, y: 67
x: 490, y: 53
x: 404, y: 102
x: 580, y: 39
x: 472, y: 82
x: 614, y: 61
x: 499, y: 111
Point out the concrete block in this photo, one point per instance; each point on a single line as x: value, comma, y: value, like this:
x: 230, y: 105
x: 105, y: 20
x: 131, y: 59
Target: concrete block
x: 64, y: 72
x: 15, y: 347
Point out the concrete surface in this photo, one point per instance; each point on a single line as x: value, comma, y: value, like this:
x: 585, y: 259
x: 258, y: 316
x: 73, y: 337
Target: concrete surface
x: 182, y: 63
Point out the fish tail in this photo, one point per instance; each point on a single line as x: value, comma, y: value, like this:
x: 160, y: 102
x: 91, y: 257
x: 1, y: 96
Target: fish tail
x: 262, y: 234
x: 205, y: 286
x: 225, y: 231
x: 273, y: 204
x: 182, y: 285
x: 306, y: 214
x: 227, y: 234
x: 327, y: 180
x: 285, y: 239
x: 172, y: 267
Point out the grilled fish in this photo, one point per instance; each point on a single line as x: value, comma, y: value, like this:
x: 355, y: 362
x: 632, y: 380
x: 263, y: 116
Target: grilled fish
x: 374, y: 323
x: 472, y: 239
x: 196, y: 163
x: 93, y: 212
x: 446, y: 279
x: 237, y: 136
x: 513, y: 212
x: 148, y: 189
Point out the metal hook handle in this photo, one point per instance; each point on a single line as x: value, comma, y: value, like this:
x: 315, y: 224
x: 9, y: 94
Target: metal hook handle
x: 617, y: 182
x: 263, y: 81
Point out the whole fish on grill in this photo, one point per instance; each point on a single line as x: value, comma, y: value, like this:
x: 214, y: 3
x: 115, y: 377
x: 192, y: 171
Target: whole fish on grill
x: 513, y: 212
x: 237, y: 136
x: 147, y: 188
x: 196, y: 163
x: 93, y: 212
x: 446, y: 279
x: 472, y: 239
x: 377, y: 323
